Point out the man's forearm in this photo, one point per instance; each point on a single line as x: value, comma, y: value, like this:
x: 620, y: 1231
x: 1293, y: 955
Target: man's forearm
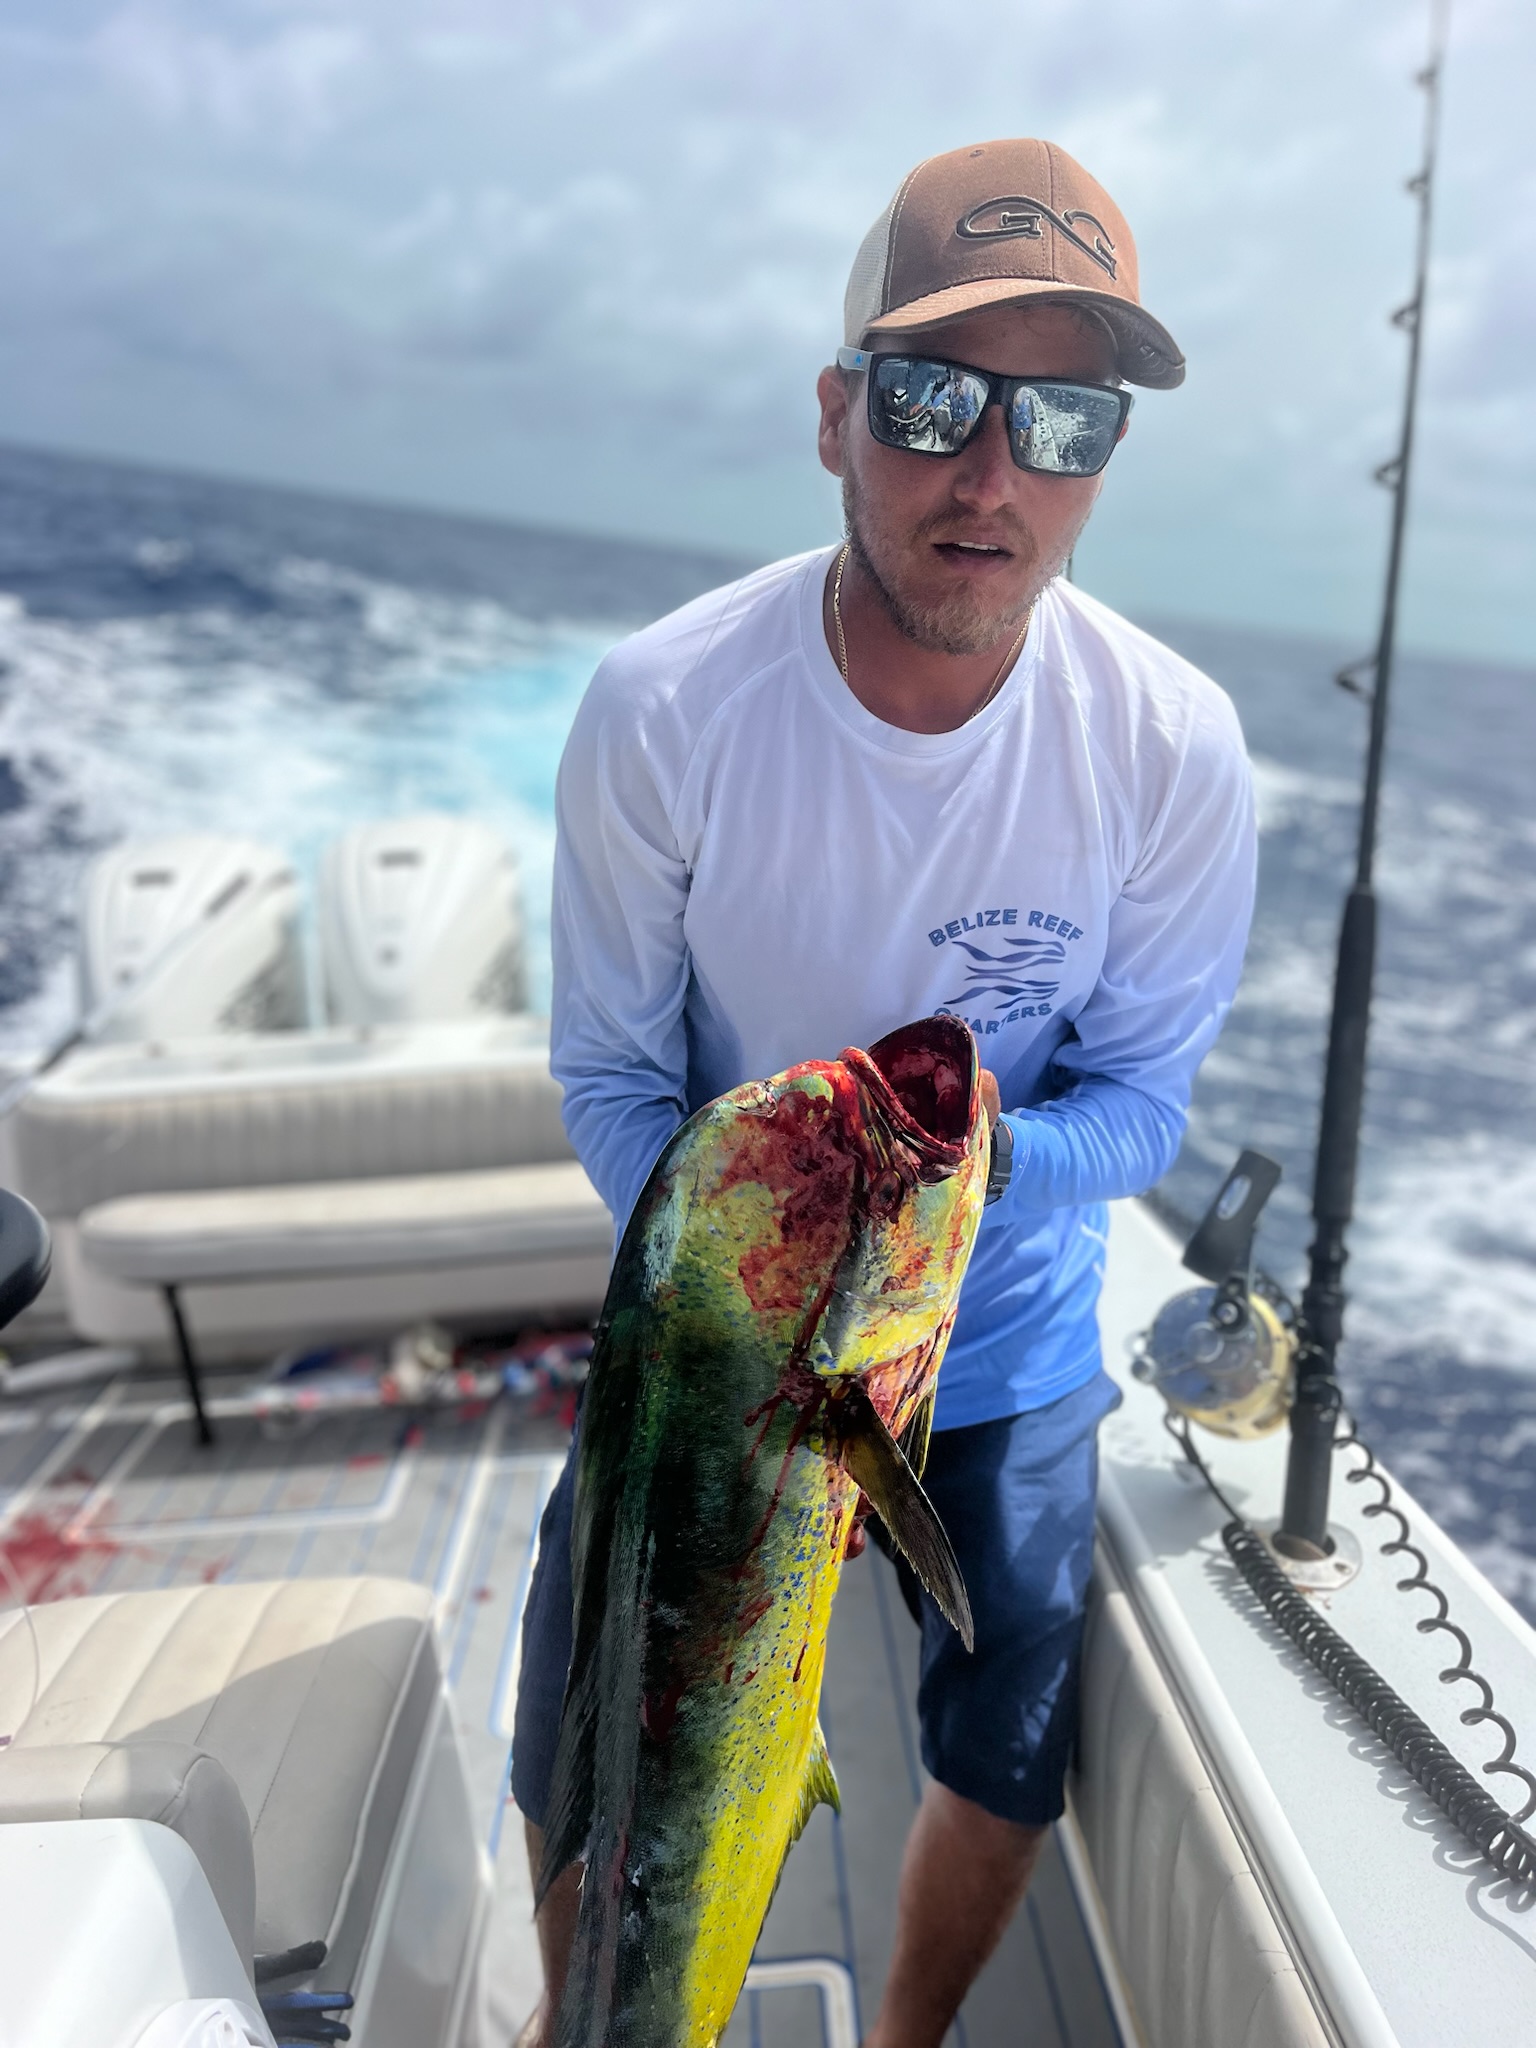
x: 1103, y: 1140
x: 618, y: 1126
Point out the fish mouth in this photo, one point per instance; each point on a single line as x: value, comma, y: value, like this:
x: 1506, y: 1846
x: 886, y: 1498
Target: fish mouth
x: 926, y: 1080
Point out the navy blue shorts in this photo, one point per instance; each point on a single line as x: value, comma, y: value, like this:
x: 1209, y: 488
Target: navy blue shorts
x: 998, y: 1724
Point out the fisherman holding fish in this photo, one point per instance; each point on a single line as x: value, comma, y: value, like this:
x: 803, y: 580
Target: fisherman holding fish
x: 922, y: 773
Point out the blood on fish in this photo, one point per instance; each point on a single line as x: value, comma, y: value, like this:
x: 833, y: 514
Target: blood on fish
x: 930, y: 1088
x: 658, y: 1715
x: 798, y: 1152
x: 753, y: 1612
x: 808, y: 1394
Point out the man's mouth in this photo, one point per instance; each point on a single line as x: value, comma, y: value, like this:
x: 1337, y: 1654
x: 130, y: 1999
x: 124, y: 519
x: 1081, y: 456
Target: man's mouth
x: 972, y: 550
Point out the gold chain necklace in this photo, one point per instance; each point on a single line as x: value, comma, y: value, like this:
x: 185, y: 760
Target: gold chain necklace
x: 842, y: 645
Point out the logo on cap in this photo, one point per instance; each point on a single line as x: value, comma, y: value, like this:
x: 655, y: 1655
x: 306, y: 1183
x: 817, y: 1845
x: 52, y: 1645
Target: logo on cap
x: 1025, y: 217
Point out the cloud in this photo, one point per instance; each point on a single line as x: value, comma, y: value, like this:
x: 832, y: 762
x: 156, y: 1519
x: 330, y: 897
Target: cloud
x: 287, y: 84
x: 582, y: 262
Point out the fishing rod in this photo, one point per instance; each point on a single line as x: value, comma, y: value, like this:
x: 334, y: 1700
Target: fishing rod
x: 1221, y: 1355
x: 1303, y: 1530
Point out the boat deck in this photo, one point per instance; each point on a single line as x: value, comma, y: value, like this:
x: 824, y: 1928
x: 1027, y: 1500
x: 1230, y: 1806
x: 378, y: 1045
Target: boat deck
x: 105, y: 1490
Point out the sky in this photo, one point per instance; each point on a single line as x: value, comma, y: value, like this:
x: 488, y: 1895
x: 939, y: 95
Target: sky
x: 579, y: 265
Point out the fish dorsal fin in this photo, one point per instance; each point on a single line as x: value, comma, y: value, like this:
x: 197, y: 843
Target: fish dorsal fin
x: 817, y: 1788
x: 871, y: 1455
x: 568, y: 1821
x: 599, y: 1555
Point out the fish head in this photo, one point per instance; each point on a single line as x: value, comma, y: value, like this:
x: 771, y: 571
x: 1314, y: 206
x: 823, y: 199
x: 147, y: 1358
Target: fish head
x: 915, y: 1117
x: 827, y: 1213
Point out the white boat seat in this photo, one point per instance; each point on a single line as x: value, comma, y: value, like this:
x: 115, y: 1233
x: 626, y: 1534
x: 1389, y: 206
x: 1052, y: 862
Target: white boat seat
x: 343, y: 1227
x: 275, y: 1722
x: 182, y: 1788
x: 302, y: 1106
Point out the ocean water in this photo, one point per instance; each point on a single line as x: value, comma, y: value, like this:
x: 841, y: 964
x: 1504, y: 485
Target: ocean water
x: 183, y: 654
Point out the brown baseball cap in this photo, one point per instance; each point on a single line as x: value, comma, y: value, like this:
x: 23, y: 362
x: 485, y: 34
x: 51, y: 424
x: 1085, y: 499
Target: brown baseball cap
x: 997, y: 225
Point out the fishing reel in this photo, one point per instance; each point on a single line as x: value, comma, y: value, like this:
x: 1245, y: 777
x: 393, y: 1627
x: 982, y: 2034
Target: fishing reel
x: 1224, y: 1354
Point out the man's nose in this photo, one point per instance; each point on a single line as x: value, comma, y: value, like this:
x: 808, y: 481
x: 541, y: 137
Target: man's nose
x: 985, y: 474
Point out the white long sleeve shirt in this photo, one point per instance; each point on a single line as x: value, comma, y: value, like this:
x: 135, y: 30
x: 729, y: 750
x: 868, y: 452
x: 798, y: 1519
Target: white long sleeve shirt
x: 752, y: 869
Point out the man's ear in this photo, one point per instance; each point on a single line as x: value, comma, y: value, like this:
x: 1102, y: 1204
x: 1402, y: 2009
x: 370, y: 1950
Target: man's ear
x: 832, y: 389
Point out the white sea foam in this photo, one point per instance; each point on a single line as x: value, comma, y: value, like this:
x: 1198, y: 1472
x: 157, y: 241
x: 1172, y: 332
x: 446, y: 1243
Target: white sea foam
x: 1446, y: 1254
x: 1444, y: 1238
x: 287, y: 724
x: 1286, y: 796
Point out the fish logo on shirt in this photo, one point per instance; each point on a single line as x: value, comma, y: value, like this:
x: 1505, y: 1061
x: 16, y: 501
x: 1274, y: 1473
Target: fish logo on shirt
x: 1019, y: 975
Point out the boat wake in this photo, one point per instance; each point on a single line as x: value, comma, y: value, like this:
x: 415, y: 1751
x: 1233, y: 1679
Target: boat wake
x: 341, y: 699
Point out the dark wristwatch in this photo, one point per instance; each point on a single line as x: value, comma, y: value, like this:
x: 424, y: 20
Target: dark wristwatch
x: 1000, y: 1172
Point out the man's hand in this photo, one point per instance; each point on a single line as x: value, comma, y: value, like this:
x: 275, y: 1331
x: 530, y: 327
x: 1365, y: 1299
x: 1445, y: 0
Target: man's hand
x: 991, y: 1100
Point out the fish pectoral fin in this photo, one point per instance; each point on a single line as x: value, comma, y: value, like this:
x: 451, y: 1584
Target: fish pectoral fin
x: 817, y: 1788
x: 872, y: 1456
x: 914, y: 1438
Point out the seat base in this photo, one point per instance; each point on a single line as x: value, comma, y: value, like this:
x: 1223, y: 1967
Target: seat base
x: 320, y: 1698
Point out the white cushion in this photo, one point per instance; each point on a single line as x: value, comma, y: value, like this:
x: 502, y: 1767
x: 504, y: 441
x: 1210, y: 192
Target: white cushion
x: 338, y: 1227
x: 313, y: 1694
x: 301, y: 1106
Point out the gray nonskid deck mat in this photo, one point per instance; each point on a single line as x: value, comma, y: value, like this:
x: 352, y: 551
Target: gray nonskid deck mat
x: 106, y: 1492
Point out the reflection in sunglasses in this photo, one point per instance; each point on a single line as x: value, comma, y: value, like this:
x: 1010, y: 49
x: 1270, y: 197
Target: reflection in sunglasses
x: 930, y: 407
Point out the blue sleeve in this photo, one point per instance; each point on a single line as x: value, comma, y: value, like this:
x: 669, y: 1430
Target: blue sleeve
x: 1100, y: 1142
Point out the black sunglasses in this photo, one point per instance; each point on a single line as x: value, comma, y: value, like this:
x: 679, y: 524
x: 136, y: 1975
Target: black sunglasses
x: 925, y: 406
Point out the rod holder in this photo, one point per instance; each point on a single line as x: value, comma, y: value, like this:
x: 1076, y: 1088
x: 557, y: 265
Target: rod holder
x: 1303, y: 1530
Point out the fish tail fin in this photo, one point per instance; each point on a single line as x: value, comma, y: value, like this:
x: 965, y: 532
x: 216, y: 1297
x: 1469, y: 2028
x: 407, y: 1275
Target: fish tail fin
x: 872, y: 1456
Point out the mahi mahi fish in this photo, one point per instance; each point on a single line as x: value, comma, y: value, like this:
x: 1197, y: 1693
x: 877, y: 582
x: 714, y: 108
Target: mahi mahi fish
x: 768, y: 1350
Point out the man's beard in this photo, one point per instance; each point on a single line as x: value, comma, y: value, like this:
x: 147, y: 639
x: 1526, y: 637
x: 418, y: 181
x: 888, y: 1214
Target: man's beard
x: 965, y: 622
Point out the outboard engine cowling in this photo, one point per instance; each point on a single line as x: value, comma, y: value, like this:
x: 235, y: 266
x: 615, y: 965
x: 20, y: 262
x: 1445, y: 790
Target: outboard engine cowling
x: 420, y: 921
x: 191, y: 934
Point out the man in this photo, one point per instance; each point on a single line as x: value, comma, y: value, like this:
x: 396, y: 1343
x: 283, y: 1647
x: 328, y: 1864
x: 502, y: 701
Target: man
x: 919, y: 772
